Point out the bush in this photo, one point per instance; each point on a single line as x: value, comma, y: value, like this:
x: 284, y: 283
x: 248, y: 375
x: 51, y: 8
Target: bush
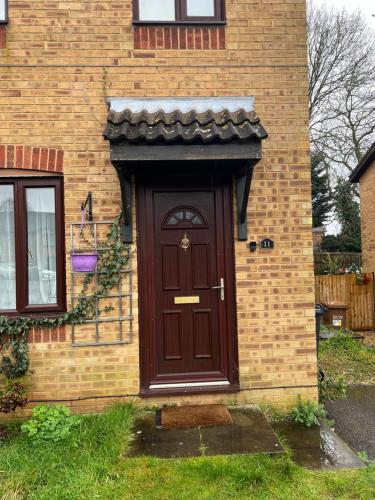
x: 307, y: 413
x: 50, y: 423
x: 12, y: 398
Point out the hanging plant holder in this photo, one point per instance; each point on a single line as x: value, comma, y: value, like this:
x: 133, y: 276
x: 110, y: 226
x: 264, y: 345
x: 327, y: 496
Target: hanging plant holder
x: 83, y: 261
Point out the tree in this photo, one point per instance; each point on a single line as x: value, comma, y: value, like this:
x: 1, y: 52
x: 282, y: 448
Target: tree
x: 348, y: 215
x: 341, y: 87
x: 321, y: 197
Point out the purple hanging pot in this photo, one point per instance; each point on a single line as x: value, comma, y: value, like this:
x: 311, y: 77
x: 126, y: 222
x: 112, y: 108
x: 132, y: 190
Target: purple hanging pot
x: 84, y: 263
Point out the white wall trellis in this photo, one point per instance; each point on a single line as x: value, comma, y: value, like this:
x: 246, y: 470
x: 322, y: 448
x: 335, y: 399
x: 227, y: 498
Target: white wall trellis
x: 106, y: 327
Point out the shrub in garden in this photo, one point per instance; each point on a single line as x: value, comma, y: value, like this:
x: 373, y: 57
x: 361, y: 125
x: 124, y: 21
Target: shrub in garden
x: 50, y: 423
x: 307, y: 413
x: 12, y: 398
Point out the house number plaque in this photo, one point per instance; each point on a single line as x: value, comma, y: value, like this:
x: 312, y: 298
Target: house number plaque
x: 266, y: 244
x: 187, y: 300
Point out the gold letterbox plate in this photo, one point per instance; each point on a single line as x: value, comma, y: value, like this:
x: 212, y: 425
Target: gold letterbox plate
x: 187, y: 300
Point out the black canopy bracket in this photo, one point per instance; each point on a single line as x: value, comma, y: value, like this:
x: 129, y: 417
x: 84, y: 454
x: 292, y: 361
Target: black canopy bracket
x: 88, y: 204
x: 127, y: 197
x: 244, y: 179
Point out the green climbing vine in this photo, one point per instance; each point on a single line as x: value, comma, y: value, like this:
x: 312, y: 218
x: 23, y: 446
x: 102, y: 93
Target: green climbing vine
x: 14, y: 331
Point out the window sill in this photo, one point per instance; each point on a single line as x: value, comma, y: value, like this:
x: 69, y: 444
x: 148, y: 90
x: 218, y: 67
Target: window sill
x: 36, y: 315
x: 179, y: 23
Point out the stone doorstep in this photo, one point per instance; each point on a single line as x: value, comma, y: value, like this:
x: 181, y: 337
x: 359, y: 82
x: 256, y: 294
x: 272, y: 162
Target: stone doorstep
x: 315, y: 447
x: 249, y: 434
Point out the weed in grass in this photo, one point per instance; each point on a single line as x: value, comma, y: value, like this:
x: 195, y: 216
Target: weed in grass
x: 332, y: 387
x: 50, y: 423
x: 274, y: 415
x: 362, y: 455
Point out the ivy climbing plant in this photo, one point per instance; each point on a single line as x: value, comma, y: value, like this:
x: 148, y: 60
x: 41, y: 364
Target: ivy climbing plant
x: 14, y: 331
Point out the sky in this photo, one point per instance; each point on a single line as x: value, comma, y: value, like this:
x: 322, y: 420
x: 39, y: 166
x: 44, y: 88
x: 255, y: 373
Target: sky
x: 366, y: 6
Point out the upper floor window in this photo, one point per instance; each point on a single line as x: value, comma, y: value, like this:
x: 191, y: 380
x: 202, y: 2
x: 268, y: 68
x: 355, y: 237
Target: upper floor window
x: 3, y: 11
x: 31, y: 246
x: 179, y: 11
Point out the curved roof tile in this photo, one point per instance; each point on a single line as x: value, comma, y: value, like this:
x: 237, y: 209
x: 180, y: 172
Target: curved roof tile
x: 176, y: 126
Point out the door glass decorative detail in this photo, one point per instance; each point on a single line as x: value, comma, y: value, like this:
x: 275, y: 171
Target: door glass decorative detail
x: 185, y: 216
x: 185, y: 242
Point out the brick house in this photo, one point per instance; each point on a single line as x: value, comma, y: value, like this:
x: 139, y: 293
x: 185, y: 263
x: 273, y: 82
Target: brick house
x: 364, y: 174
x: 217, y: 301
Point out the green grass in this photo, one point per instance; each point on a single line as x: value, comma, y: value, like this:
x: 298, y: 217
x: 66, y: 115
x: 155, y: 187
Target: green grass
x: 93, y: 465
x: 344, y: 356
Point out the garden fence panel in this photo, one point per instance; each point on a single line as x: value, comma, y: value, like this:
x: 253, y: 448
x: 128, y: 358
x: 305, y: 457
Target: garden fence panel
x: 359, y: 297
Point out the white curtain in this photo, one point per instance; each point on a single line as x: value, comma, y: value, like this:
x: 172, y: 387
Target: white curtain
x: 7, y: 253
x: 41, y: 238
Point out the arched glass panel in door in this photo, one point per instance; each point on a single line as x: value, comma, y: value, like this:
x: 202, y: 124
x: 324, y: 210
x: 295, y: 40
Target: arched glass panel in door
x: 184, y: 216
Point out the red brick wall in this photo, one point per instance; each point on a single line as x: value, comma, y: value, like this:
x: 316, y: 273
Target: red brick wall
x: 178, y: 37
x: 31, y: 158
x: 3, y: 37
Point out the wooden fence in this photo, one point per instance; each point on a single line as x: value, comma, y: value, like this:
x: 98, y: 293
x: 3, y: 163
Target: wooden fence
x: 359, y: 297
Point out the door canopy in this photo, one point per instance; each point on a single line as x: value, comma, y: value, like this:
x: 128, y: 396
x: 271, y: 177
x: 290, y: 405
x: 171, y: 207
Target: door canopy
x: 145, y: 130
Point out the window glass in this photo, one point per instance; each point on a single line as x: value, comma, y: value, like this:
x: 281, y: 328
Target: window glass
x: 3, y: 10
x: 185, y: 216
x: 41, y: 238
x: 7, y: 249
x: 157, y: 10
x: 200, y: 8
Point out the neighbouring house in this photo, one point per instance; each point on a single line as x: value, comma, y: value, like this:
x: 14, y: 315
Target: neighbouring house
x: 216, y: 301
x: 364, y: 174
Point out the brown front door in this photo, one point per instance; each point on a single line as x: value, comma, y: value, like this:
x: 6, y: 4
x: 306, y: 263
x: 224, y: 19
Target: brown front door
x: 186, y: 286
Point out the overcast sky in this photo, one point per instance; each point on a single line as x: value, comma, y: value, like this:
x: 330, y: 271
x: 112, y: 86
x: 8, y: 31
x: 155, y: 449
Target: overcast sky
x: 366, y: 6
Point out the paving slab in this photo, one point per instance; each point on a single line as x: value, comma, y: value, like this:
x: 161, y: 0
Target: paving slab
x: 164, y: 443
x: 249, y: 433
x: 318, y: 447
x: 304, y: 441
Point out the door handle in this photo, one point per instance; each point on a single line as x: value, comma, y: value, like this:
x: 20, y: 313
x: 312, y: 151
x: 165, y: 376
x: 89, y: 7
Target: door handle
x: 220, y: 287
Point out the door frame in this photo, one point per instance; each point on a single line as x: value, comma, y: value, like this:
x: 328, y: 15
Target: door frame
x: 222, y: 184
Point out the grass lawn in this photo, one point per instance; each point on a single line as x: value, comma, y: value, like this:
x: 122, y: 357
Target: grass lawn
x: 92, y: 464
x: 344, y: 356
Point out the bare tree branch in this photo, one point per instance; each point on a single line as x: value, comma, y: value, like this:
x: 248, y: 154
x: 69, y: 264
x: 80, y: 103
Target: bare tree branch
x: 341, y: 48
